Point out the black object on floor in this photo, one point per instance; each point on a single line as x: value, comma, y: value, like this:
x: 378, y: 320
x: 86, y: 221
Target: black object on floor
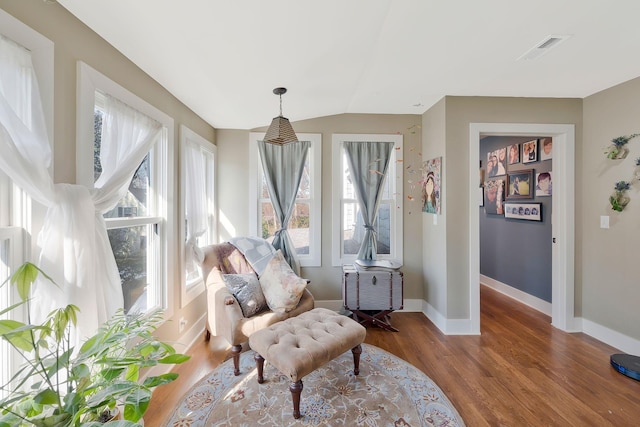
x: 627, y: 364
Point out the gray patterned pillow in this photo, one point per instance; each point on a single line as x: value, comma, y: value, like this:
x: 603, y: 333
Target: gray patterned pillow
x: 247, y: 291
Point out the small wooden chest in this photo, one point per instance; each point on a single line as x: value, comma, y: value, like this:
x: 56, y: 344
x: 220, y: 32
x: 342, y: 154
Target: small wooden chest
x: 372, y: 289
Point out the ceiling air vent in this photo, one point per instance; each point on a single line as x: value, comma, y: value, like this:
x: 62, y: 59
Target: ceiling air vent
x: 543, y: 47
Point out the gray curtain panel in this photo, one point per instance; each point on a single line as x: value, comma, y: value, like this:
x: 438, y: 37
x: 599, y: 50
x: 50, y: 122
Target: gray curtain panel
x: 368, y: 164
x: 283, y: 166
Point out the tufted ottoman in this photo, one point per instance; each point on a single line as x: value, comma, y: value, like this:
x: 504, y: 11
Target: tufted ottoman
x: 299, y: 345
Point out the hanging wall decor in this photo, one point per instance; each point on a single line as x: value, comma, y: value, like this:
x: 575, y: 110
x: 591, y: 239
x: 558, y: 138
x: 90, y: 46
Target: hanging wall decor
x: 617, y: 149
x: 618, y: 199
x: 431, y: 185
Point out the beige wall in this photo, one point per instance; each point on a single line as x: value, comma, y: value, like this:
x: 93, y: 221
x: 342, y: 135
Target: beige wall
x: 610, y: 269
x: 326, y: 280
x: 459, y: 113
x: 434, y: 242
x: 75, y: 42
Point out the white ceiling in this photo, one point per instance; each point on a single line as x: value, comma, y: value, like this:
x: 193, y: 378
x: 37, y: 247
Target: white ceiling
x: 222, y: 58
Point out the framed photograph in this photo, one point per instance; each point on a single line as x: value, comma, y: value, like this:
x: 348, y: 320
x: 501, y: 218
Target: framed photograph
x: 494, y: 196
x: 514, y: 154
x: 526, y: 211
x: 543, y: 184
x: 546, y: 148
x: 497, y: 162
x: 519, y: 184
x: 530, y: 151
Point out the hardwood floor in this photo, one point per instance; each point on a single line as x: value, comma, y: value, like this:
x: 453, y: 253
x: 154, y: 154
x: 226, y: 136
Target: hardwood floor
x: 519, y: 372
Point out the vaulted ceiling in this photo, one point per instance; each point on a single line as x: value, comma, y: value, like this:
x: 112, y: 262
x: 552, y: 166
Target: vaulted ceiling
x: 223, y: 58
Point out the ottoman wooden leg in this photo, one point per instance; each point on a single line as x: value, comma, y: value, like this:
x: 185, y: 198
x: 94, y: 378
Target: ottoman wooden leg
x: 357, y: 350
x: 296, y: 389
x: 235, y: 351
x: 260, y: 366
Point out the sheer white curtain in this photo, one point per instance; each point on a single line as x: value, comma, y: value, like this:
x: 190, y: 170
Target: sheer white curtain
x: 196, y: 203
x: 75, y: 249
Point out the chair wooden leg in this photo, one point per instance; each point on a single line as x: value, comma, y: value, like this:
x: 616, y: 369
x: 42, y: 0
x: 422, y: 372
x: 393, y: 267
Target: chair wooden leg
x: 260, y: 366
x: 235, y: 351
x: 357, y: 350
x: 296, y: 389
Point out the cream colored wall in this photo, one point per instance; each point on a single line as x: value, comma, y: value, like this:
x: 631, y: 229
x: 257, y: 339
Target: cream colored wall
x: 459, y: 113
x: 610, y: 270
x: 434, y: 242
x: 326, y: 280
x: 76, y: 42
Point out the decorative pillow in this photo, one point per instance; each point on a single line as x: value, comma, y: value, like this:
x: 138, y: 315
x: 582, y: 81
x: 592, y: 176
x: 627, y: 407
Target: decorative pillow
x: 282, y: 287
x: 247, y: 291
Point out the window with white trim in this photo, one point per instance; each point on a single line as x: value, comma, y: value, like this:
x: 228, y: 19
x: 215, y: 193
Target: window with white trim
x: 193, y: 285
x: 305, y: 224
x: 139, y: 227
x: 16, y: 213
x: 347, y: 223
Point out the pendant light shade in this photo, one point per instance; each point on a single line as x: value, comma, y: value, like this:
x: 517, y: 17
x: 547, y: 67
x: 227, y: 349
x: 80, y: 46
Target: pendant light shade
x: 280, y: 132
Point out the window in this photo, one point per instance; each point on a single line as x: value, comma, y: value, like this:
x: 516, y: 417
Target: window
x: 305, y: 224
x: 16, y: 213
x: 193, y: 284
x: 347, y: 222
x: 138, y: 227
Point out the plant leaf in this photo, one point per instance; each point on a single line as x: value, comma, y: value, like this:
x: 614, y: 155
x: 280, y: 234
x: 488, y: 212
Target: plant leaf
x: 174, y: 359
x: 46, y: 397
x: 23, y: 278
x: 15, y: 332
x: 151, y: 382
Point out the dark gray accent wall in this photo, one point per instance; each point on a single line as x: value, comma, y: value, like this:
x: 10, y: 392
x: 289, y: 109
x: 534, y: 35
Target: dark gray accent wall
x: 512, y: 251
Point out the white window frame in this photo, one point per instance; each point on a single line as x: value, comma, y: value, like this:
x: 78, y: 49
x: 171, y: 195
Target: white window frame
x: 18, y: 218
x: 190, y: 290
x: 314, y: 257
x: 161, y: 271
x: 394, y: 173
x: 11, y: 239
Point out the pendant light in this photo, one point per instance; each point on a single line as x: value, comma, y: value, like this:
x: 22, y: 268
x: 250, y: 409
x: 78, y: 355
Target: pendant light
x: 280, y: 132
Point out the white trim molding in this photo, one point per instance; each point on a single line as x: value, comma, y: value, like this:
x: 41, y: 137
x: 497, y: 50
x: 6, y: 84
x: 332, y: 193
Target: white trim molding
x: 562, y: 218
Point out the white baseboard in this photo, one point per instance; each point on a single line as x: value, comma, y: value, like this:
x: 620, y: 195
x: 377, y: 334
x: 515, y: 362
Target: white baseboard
x: 447, y: 326
x: 608, y: 336
x: 523, y: 297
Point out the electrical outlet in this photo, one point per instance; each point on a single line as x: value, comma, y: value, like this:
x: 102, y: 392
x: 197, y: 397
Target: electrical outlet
x: 604, y: 221
x: 183, y: 322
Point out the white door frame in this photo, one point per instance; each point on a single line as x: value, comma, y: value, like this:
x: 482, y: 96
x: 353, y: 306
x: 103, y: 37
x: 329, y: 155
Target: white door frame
x: 562, y: 218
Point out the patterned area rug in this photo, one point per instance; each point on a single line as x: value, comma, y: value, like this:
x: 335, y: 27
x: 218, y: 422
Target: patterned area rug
x: 388, y: 392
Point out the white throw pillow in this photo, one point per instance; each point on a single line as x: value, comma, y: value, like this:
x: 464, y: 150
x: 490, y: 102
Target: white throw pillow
x: 282, y: 287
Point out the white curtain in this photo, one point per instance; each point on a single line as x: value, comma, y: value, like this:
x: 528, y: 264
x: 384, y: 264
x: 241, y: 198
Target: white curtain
x: 196, y: 203
x: 75, y: 249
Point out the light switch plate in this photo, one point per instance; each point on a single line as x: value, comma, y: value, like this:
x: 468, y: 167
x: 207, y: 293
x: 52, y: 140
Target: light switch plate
x: 604, y: 221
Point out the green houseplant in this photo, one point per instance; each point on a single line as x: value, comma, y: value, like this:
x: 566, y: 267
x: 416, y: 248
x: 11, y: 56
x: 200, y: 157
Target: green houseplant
x: 617, y: 149
x: 59, y: 385
x: 618, y: 199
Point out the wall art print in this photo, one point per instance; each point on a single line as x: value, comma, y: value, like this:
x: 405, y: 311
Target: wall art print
x: 519, y: 184
x: 431, y: 185
x: 530, y: 151
x: 497, y: 162
x: 544, y: 184
x: 494, y: 196
x: 526, y: 211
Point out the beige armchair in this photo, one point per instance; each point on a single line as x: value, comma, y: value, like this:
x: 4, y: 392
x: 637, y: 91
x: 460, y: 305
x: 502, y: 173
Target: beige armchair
x: 225, y: 318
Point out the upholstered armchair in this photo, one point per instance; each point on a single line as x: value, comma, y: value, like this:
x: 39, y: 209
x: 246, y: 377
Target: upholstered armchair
x: 225, y: 316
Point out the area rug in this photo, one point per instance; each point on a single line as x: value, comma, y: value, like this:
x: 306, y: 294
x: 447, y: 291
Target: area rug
x: 388, y: 392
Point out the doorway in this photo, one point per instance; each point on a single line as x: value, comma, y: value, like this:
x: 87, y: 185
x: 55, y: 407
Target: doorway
x: 562, y: 312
